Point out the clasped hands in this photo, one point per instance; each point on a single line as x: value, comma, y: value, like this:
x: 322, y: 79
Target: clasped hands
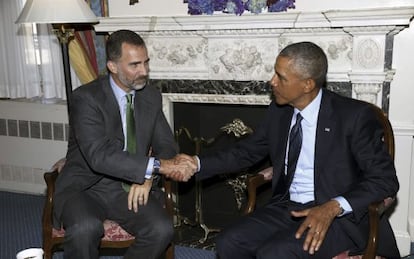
x: 180, y: 168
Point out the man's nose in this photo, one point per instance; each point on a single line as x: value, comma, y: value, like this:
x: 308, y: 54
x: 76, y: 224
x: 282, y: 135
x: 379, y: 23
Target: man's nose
x: 274, y: 80
x: 142, y: 70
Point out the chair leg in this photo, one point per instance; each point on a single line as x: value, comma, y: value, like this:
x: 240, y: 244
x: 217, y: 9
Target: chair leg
x: 169, y: 253
x: 47, y: 253
x: 47, y: 249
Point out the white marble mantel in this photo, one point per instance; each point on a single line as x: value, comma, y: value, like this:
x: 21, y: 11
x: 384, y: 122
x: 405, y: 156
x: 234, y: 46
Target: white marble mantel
x: 358, y: 43
x: 243, y: 48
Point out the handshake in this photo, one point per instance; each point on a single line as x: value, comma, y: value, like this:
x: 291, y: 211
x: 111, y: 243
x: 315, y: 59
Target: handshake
x: 180, y: 168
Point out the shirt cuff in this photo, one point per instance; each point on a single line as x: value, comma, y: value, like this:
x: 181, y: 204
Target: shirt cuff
x: 150, y: 168
x: 198, y: 164
x: 344, y: 205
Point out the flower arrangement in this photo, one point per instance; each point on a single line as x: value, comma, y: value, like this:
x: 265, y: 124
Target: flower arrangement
x: 238, y: 7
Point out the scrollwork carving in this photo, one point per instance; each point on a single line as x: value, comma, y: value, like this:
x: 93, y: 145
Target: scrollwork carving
x: 335, y: 48
x: 367, y: 91
x: 180, y: 53
x: 237, y: 127
x: 368, y: 53
x: 178, y: 56
x: 242, y: 60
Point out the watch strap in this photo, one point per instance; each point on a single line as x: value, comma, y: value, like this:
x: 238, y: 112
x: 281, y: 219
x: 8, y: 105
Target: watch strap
x: 156, y: 166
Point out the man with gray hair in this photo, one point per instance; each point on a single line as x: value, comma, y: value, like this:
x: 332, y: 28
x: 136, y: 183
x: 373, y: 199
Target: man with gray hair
x: 329, y: 163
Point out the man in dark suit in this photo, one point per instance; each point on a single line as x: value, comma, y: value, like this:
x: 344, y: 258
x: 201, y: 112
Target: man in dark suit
x: 102, y: 177
x: 320, y: 210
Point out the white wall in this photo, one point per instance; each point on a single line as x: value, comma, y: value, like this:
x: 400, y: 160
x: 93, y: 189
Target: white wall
x: 23, y: 160
x: 402, y: 86
x: 402, y: 117
x: 321, y: 5
x: 147, y: 8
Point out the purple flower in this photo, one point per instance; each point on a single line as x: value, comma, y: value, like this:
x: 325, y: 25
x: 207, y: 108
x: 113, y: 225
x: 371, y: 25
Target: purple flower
x: 255, y: 6
x: 235, y: 6
x: 200, y: 7
x: 281, y: 5
x: 219, y: 5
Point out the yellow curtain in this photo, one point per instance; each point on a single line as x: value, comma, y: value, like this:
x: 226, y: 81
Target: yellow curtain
x: 82, y: 49
x: 80, y: 62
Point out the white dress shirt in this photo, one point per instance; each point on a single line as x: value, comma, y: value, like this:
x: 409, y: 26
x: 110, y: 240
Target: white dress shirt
x: 302, y: 187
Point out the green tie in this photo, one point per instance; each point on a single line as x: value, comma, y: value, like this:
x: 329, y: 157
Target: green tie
x: 130, y: 133
x: 130, y: 126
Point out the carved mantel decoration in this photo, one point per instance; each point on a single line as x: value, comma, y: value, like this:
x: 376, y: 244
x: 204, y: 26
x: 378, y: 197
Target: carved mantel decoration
x: 243, y: 48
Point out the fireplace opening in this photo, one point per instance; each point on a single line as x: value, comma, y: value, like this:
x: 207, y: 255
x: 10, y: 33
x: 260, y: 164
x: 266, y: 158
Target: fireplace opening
x: 222, y: 196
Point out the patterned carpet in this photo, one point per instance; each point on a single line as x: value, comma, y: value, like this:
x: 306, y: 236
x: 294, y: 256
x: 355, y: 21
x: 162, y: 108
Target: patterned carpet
x: 20, y: 225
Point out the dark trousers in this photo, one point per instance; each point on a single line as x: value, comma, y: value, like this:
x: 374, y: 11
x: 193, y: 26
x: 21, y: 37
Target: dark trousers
x: 269, y: 233
x: 84, y: 213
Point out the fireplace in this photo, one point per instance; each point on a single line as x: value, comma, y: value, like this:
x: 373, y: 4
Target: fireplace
x: 203, y: 128
x: 206, y: 119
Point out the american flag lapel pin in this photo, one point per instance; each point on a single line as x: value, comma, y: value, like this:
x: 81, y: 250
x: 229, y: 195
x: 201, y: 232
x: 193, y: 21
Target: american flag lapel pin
x: 327, y: 129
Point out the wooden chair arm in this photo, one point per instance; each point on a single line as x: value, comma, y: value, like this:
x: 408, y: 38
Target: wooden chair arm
x: 169, y: 202
x: 253, y: 182
x: 47, y: 217
x: 375, y: 211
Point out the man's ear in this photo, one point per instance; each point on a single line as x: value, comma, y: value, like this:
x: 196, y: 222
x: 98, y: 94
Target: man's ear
x: 112, y: 67
x: 309, y: 85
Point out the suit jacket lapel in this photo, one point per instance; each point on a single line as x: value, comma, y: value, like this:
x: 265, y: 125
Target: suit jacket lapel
x: 142, y: 109
x: 112, y: 109
x: 325, y: 134
x: 279, y: 148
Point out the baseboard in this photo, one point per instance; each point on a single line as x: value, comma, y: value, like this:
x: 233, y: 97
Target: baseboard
x: 403, y: 242
x: 29, y: 188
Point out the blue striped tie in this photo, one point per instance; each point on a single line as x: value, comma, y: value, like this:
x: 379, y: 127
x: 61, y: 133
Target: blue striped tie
x: 295, y: 145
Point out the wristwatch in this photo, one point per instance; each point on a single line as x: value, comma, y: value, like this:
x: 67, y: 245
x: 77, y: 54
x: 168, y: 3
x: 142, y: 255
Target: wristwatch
x: 341, y: 212
x: 156, y: 166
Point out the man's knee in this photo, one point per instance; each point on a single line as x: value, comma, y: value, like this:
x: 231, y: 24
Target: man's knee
x: 159, y: 231
x: 86, y: 230
x: 221, y: 241
x: 225, y: 242
x: 163, y: 230
x: 281, y: 248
